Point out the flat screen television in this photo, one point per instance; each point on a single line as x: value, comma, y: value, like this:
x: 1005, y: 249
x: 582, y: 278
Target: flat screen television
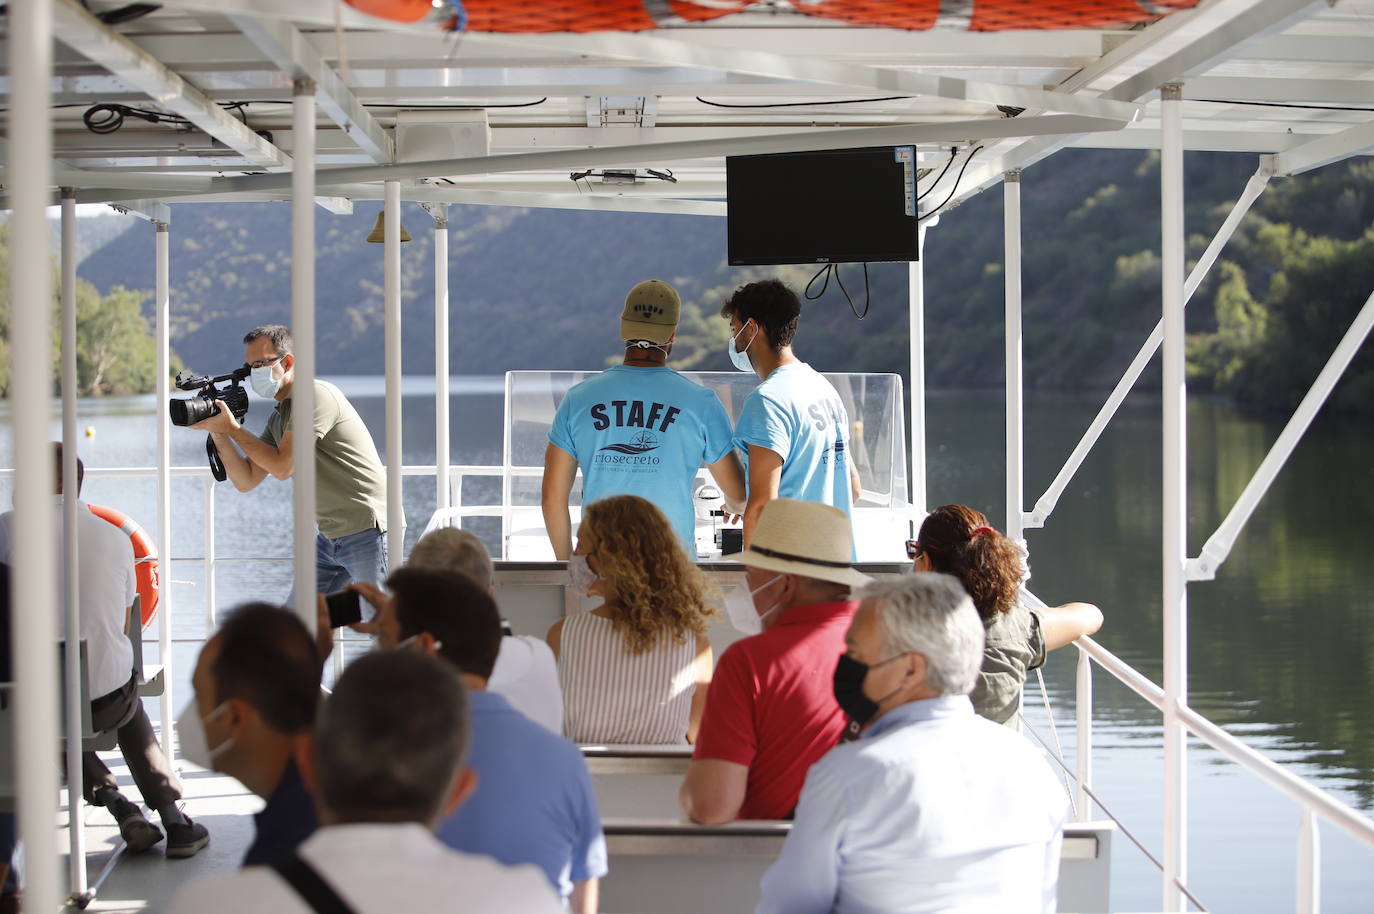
x: 837, y: 206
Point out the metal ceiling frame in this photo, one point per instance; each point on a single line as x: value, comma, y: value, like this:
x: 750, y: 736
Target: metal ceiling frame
x: 75, y: 27
x: 286, y: 47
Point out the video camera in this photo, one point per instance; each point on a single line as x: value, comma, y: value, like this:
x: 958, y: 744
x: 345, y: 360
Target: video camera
x: 202, y: 406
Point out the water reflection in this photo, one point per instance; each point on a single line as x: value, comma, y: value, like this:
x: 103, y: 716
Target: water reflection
x: 1281, y: 643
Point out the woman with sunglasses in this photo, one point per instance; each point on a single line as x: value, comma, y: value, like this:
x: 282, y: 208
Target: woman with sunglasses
x: 959, y: 541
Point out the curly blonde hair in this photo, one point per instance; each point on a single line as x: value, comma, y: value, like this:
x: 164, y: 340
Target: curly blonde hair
x: 659, y: 589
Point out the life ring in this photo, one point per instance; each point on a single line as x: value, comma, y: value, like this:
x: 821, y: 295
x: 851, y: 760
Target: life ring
x: 515, y: 16
x: 145, y: 559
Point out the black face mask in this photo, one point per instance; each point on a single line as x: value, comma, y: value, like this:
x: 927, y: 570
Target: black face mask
x: 849, y: 688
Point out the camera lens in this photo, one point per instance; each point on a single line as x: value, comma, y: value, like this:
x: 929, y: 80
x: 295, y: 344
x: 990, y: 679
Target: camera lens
x: 190, y: 411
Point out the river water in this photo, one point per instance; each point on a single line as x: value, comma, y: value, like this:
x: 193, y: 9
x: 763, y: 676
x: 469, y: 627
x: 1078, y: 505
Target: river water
x: 1280, y: 645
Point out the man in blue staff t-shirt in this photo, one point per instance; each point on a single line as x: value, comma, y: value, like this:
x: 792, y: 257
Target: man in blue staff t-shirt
x: 793, y: 428
x: 639, y: 429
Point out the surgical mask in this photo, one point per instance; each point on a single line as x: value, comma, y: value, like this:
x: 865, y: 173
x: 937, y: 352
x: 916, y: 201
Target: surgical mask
x: 849, y: 688
x: 264, y: 385
x: 191, y: 736
x: 739, y: 606
x: 581, y: 574
x: 741, y: 359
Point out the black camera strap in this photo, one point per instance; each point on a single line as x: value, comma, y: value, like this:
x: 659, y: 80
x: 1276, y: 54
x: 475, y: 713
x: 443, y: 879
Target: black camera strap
x: 216, y: 464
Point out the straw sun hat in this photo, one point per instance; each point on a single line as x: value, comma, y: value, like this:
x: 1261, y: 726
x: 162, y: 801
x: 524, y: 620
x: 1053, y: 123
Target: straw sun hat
x: 804, y: 538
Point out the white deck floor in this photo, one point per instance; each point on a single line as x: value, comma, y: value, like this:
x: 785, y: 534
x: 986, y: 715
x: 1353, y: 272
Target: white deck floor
x: 148, y: 881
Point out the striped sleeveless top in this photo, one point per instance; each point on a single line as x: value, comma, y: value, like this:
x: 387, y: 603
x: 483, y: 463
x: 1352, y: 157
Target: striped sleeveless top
x: 613, y: 696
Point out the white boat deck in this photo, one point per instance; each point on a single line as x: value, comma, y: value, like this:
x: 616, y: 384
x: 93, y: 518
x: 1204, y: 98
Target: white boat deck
x: 148, y: 881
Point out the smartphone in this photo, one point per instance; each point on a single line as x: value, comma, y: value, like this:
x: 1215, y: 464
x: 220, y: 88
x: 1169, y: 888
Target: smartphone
x: 345, y: 608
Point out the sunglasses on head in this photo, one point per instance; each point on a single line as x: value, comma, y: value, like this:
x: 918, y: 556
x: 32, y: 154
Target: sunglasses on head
x: 914, y: 550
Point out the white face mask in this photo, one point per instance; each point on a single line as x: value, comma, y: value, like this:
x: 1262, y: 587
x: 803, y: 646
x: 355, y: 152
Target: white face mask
x: 581, y: 574
x: 192, y: 739
x: 740, y: 359
x: 264, y: 385
x: 739, y: 606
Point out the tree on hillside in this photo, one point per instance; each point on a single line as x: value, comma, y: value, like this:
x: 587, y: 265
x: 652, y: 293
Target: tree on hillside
x: 115, y: 352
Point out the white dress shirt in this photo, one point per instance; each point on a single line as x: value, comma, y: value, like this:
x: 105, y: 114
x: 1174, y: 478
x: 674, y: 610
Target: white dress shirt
x: 526, y: 675
x: 934, y: 809
x: 107, y: 586
x: 380, y: 869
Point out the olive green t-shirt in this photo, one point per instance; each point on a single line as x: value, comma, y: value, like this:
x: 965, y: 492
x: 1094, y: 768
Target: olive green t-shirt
x: 1015, y: 645
x: 350, y: 486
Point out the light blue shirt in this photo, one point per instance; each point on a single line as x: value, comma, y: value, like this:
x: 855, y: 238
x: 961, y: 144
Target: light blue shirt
x: 534, y: 801
x: 643, y: 431
x: 934, y: 809
x: 798, y: 414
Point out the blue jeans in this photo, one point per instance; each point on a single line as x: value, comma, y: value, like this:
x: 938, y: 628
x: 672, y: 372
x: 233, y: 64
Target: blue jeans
x: 359, y: 556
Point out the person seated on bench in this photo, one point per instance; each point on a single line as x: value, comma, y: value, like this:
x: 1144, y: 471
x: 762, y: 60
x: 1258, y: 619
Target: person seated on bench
x: 385, y: 766
x: 107, y: 588
x: 257, y: 688
x: 959, y: 541
x: 534, y: 801
x: 636, y: 668
x: 934, y: 808
x: 770, y: 713
x: 525, y: 672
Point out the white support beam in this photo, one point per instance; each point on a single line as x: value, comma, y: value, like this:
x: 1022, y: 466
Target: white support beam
x: 1174, y: 514
x: 33, y: 558
x: 1211, y: 33
x: 391, y: 345
x: 288, y: 49
x: 821, y: 72
x: 1218, y: 545
x: 638, y: 154
x: 303, y: 327
x: 1358, y: 140
x: 83, y: 32
x: 1185, y: 41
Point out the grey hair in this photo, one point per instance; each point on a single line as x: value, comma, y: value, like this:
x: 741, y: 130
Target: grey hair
x: 391, y: 739
x: 278, y: 335
x: 452, y: 549
x: 932, y: 615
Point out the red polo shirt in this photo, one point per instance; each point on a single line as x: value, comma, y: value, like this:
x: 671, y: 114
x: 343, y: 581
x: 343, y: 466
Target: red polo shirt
x: 772, y: 706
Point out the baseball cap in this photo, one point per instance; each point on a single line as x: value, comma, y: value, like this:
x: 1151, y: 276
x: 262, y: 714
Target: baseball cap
x: 651, y: 312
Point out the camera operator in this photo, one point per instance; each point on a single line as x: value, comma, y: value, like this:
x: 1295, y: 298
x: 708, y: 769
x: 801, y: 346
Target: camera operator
x: 350, y: 493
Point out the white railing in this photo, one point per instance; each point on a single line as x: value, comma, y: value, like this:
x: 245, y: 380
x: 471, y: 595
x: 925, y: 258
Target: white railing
x: 1314, y: 802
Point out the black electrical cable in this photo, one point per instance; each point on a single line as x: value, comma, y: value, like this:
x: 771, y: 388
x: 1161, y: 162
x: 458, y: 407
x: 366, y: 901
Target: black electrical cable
x: 1223, y: 101
x: 953, y: 154
x: 834, y: 269
x: 127, y: 13
x: 843, y: 101
x: 962, y: 169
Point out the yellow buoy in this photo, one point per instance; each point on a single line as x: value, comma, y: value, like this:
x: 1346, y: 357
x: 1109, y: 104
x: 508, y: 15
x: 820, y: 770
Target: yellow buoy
x: 90, y: 431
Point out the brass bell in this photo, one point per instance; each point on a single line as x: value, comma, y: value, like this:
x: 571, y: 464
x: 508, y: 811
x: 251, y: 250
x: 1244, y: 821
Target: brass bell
x: 378, y: 233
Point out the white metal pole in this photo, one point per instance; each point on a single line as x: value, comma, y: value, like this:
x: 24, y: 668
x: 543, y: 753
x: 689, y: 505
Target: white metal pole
x: 211, y: 619
x: 71, y: 549
x: 916, y: 323
x: 441, y: 380
x: 163, y: 328
x: 1309, y: 865
x: 395, y: 507
x: 1011, y: 230
x: 303, y: 334
x: 33, y: 556
x: 1175, y: 514
x: 1084, y: 738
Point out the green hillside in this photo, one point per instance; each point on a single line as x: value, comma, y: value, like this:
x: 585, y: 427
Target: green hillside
x: 542, y: 288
